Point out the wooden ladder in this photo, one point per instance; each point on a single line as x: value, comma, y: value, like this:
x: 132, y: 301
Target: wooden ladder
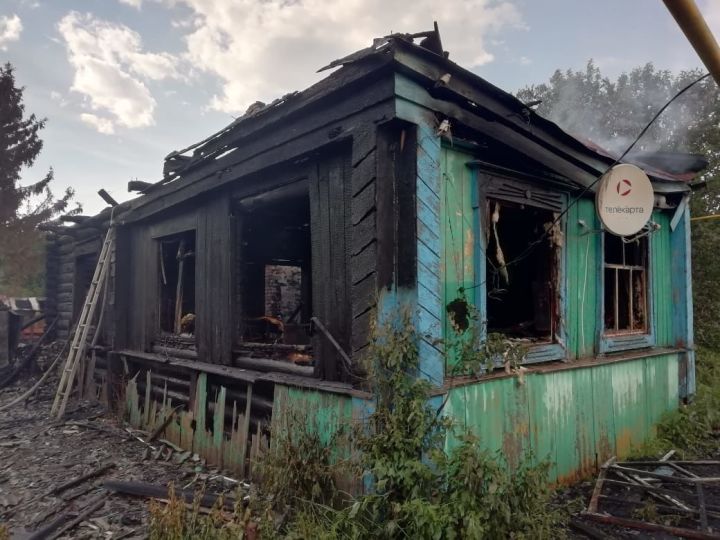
x: 80, y: 336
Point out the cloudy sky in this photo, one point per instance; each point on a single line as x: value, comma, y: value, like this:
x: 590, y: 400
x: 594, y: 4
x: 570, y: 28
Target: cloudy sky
x: 124, y: 82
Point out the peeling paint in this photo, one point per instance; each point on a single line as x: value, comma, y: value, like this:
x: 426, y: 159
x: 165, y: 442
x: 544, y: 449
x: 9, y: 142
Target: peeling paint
x: 574, y: 418
x: 222, y: 445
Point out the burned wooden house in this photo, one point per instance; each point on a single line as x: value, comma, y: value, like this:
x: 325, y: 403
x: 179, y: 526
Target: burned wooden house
x: 247, y: 280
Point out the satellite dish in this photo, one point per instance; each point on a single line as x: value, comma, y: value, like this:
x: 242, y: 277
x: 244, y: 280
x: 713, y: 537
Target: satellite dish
x: 624, y: 200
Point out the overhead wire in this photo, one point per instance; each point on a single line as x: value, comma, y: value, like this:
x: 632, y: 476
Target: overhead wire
x: 529, y: 249
x: 572, y: 203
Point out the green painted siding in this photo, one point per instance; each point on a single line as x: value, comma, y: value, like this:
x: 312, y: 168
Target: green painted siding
x: 458, y: 239
x: 582, y: 265
x: 324, y: 412
x: 661, y: 264
x: 576, y: 418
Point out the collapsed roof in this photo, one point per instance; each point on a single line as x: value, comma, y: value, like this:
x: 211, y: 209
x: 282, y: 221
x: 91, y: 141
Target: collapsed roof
x: 456, y: 93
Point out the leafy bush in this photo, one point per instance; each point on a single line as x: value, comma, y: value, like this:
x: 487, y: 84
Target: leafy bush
x: 299, y: 465
x: 419, y: 490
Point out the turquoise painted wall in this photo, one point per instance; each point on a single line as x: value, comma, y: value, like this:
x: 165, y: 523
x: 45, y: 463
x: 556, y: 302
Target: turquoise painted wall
x: 461, y: 259
x: 576, y: 418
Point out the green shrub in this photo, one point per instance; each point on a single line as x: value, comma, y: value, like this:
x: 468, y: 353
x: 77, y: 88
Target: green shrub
x: 419, y: 490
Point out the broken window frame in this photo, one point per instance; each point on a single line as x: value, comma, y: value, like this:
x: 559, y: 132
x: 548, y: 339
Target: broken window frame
x: 158, y: 240
x: 259, y: 202
x: 492, y: 187
x: 631, y: 339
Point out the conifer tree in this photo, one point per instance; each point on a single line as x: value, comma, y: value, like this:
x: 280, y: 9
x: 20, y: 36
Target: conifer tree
x: 23, y: 207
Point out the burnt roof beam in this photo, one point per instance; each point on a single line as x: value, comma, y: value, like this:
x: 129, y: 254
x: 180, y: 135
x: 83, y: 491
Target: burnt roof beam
x: 369, y: 100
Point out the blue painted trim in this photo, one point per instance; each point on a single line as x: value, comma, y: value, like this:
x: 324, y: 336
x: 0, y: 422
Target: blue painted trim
x: 428, y: 318
x: 545, y: 353
x: 679, y: 212
x: 626, y: 342
x: 681, y: 281
x: 479, y: 297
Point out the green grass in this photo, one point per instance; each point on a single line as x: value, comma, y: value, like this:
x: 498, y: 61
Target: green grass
x: 692, y: 430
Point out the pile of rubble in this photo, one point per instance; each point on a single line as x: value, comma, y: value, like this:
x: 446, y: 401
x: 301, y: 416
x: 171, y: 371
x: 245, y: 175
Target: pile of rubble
x: 663, y: 498
x: 86, y: 476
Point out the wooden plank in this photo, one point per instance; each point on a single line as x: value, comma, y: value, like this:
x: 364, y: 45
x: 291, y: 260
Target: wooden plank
x: 199, y: 414
x: 364, y: 294
x: 364, y: 232
x: 219, y: 428
x: 407, y: 222
x: 365, y: 171
x: 146, y: 406
x: 214, y: 287
x: 363, y: 202
x: 363, y: 263
x: 190, y: 366
x: 245, y: 429
x: 338, y: 318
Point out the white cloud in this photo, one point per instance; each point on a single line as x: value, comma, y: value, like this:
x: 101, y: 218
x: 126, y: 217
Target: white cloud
x: 525, y: 61
x: 260, y: 50
x: 58, y: 98
x: 103, y: 125
x: 10, y: 28
x: 137, y: 4
x: 111, y: 69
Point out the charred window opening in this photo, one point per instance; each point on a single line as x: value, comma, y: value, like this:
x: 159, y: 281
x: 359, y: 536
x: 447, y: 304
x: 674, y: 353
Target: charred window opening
x: 625, y: 277
x: 84, y: 271
x: 275, y: 270
x: 177, y: 283
x: 522, y: 291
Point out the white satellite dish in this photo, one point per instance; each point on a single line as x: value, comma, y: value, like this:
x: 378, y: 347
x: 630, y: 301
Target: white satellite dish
x: 624, y: 200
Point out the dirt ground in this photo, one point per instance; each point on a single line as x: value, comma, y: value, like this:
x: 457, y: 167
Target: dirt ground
x: 39, y: 454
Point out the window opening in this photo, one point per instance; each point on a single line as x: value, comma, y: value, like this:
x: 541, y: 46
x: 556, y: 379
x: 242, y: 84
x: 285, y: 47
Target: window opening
x: 177, y: 283
x: 625, y: 278
x: 276, y: 293
x: 522, y: 298
x: 84, y: 271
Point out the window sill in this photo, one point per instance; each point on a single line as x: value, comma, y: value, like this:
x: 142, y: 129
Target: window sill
x: 580, y: 363
x: 625, y: 342
x: 547, y: 352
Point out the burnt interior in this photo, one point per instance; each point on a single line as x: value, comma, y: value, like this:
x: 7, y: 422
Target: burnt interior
x: 177, y: 283
x: 521, y: 290
x: 625, y: 279
x: 276, y: 288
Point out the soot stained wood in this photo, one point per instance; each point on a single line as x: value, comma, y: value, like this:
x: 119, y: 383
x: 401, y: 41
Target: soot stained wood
x: 299, y: 106
x: 330, y: 219
x: 214, y: 318
x: 397, y: 151
x: 338, y: 119
x: 122, y: 287
x: 363, y: 259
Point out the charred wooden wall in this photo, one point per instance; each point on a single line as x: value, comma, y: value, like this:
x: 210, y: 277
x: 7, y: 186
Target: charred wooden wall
x: 62, y: 284
x: 332, y: 144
